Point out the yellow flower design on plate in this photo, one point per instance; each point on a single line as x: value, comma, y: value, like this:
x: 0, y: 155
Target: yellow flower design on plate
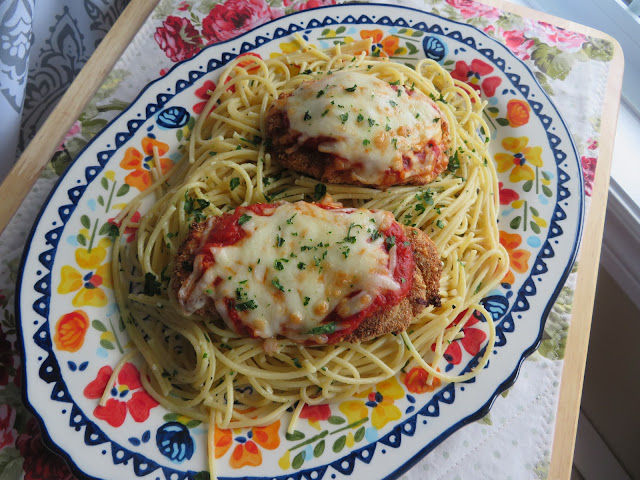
x: 519, y: 159
x: 88, y: 281
x: 381, y: 401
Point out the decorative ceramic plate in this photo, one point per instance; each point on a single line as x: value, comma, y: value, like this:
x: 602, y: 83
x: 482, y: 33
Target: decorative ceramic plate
x: 73, y: 335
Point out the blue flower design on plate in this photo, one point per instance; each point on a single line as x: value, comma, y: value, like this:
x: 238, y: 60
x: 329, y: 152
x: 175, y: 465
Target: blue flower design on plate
x: 175, y: 442
x: 173, y: 117
x: 434, y: 48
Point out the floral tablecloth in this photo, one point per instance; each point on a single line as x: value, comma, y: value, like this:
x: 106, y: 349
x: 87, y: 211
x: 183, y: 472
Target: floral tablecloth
x: 514, y: 440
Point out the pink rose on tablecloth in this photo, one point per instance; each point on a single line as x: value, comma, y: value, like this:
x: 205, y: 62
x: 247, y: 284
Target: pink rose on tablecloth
x: 40, y: 463
x: 515, y: 40
x: 469, y: 8
x: 312, y: 4
x: 564, y: 39
x: 178, y: 38
x: 234, y: 17
x: 7, y: 418
x: 588, y: 172
x: 75, y: 129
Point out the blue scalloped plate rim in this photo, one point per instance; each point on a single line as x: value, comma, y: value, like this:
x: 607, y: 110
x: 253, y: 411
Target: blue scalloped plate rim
x: 479, y: 413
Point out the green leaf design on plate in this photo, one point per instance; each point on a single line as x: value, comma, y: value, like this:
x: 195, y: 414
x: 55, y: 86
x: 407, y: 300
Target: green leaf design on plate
x: 98, y: 325
x: 339, y: 444
x: 335, y: 420
x: 170, y: 417
x: 341, y: 29
x: 81, y: 240
x: 298, y: 460
x: 84, y: 220
x: 547, y: 191
x: 534, y: 226
x: 296, y: 435
x: 105, y: 183
x: 359, y: 434
x: 502, y: 122
x: 123, y: 190
x: 526, y: 186
x: 107, y: 344
x: 515, y: 223
x: 319, y: 449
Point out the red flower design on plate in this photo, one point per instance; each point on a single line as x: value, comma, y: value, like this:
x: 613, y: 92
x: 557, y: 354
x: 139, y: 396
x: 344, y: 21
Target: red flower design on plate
x: 475, y: 75
x: 315, y: 413
x: 178, y: 38
x: 234, y: 17
x: 39, y: 462
x: 469, y: 8
x: 130, y: 231
x: 126, y: 395
x: 507, y: 195
x: 203, y: 93
x: 471, y: 342
x: 588, y: 172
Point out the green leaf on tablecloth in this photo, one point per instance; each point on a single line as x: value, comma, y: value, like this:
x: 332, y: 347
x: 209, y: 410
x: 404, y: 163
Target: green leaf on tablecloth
x: 203, y: 6
x: 10, y: 464
x: 10, y: 395
x: 164, y: 9
x: 90, y: 128
x: 542, y: 80
x: 552, y: 61
x: 113, y: 105
x: 505, y: 393
x: 598, y: 49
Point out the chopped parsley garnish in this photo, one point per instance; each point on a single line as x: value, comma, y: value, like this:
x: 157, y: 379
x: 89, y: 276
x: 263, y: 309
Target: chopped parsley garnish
x: 302, y: 265
x: 290, y: 221
x: 194, y: 206
x: 436, y: 120
x: 320, y: 93
x: 351, y: 89
x: 344, y: 117
x: 151, y: 285
x: 307, y: 116
x: 234, y: 183
x: 276, y: 283
x: 371, y: 121
x: 417, y: 115
x: 244, y: 219
x: 319, y: 191
x: 360, y: 117
x: 387, y: 127
x: 248, y: 305
x: 440, y: 224
x: 278, y: 265
x: 307, y: 72
x: 392, y: 103
x: 349, y: 238
x: 390, y: 242
x: 397, y: 82
x: 426, y: 197
x: 346, y: 251
x: 375, y: 235
x: 323, y: 329
x: 454, y: 163
x: 395, y: 143
x: 325, y: 112
x: 306, y: 301
x: 366, y: 142
x: 279, y: 240
x: 296, y: 362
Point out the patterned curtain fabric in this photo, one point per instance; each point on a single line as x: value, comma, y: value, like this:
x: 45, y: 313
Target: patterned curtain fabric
x: 43, y: 46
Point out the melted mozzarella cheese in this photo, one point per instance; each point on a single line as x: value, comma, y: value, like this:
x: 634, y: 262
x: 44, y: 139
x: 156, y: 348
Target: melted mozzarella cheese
x: 296, y: 266
x: 364, y: 120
